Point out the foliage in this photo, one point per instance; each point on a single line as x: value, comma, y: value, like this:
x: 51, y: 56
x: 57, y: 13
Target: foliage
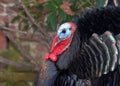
x: 48, y: 14
x: 56, y: 11
x: 100, y: 3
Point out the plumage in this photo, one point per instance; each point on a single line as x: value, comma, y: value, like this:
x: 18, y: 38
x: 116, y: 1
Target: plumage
x: 96, y: 21
x: 93, y: 56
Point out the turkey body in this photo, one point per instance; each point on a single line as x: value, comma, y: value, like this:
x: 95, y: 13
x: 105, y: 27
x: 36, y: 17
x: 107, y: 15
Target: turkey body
x: 92, y: 58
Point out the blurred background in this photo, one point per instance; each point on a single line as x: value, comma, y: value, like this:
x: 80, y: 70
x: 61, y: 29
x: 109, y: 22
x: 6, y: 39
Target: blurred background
x: 27, y: 28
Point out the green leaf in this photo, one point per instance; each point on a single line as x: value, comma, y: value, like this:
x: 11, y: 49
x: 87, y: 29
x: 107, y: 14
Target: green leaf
x: 69, y: 18
x: 58, y: 2
x: 87, y: 4
x: 27, y: 2
x: 50, y: 6
x: 62, y: 14
x: 53, y: 5
x: 39, y: 7
x: 100, y: 3
x: 73, y: 1
x: 48, y: 25
x: 52, y: 20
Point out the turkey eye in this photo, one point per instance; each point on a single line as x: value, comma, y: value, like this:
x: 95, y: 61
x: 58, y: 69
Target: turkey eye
x: 64, y: 31
x: 69, y: 28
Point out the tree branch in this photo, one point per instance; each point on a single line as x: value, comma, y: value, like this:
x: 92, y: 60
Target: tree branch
x: 44, y: 35
x: 19, y: 66
x: 19, y: 46
x: 25, y: 35
x: 17, y: 77
x: 11, y: 30
x: 31, y: 18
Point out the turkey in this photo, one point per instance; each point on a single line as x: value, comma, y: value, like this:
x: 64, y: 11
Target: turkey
x: 86, y: 50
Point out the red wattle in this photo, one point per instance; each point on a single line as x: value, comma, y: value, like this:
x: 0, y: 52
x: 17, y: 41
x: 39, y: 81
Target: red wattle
x: 53, y: 57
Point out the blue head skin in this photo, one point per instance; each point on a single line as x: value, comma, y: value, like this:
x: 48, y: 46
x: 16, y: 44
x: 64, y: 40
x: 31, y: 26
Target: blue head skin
x: 64, y: 31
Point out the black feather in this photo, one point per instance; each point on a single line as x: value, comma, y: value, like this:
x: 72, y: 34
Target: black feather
x: 76, y: 60
x: 87, y: 60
